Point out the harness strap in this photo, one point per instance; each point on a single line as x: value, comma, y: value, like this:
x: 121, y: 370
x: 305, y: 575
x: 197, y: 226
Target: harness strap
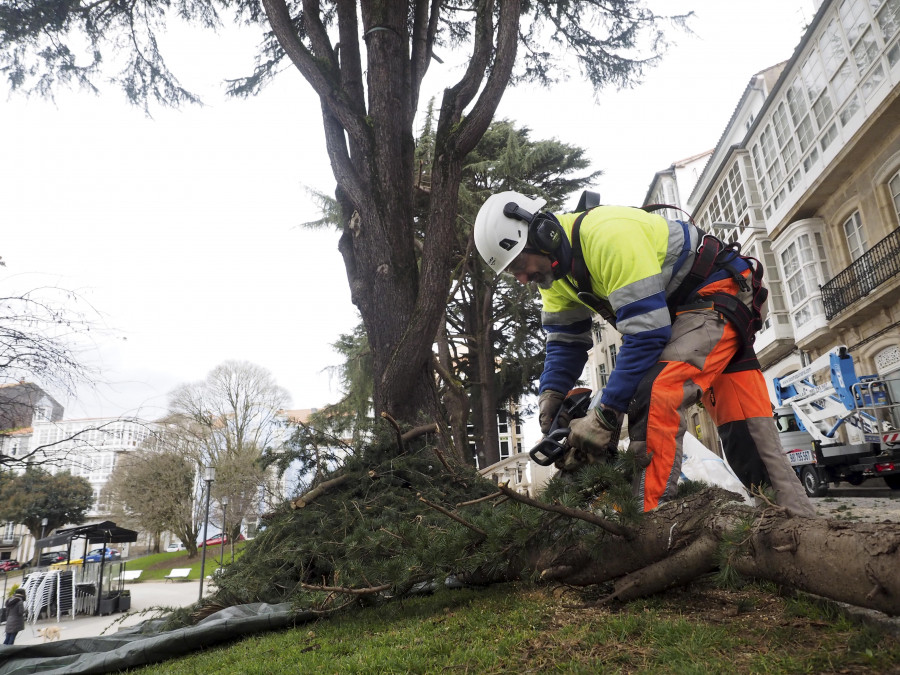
x: 650, y: 208
x: 704, y: 265
x: 579, y: 267
x: 582, y: 276
x: 746, y: 321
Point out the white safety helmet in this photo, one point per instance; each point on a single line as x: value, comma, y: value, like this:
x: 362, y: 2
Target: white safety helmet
x: 499, y: 238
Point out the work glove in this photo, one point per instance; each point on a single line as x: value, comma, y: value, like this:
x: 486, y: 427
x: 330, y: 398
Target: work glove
x: 592, y: 438
x: 549, y: 404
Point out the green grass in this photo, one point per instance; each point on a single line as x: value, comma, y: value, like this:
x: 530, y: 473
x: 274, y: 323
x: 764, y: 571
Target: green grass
x: 511, y: 629
x: 157, y: 565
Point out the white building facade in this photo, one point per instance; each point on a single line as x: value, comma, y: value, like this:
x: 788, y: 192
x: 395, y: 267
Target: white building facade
x: 806, y: 176
x: 88, y: 448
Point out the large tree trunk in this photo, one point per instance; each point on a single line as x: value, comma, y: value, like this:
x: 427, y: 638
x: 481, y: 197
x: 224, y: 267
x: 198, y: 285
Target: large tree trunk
x: 856, y: 563
x: 369, y: 137
x: 480, y: 346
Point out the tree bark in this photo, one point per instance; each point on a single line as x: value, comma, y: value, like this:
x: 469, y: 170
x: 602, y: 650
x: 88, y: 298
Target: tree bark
x: 856, y: 563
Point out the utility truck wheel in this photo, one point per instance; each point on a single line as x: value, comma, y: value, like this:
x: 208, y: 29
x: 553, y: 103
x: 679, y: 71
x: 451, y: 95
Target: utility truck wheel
x: 893, y: 481
x: 811, y: 483
x: 855, y: 479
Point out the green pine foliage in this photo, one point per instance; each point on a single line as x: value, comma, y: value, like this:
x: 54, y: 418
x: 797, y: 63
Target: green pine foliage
x: 382, y: 534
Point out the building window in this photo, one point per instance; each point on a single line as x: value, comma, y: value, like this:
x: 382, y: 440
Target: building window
x: 10, y: 530
x: 800, y: 262
x: 849, y: 110
x: 814, y: 78
x: 837, y: 66
x: 612, y: 355
x: 504, y: 449
x: 894, y: 186
x: 856, y: 236
x: 889, y: 20
x: 854, y: 18
x: 502, y: 423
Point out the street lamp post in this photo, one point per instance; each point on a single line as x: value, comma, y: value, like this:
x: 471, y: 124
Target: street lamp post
x: 224, y: 502
x: 35, y: 556
x: 209, y: 475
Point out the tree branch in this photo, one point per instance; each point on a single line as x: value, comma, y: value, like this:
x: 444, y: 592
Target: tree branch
x: 602, y: 523
x: 345, y: 590
x: 420, y: 431
x: 283, y: 28
x: 453, y: 516
x: 318, y: 491
x: 472, y: 128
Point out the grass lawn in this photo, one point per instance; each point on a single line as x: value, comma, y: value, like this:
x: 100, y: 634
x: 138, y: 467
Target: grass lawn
x: 513, y: 629
x: 157, y: 565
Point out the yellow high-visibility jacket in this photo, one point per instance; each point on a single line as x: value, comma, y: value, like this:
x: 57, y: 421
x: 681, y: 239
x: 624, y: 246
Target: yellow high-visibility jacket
x: 635, y: 260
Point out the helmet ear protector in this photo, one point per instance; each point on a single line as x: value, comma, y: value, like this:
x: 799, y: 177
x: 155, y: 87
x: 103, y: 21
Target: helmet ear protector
x: 544, y: 231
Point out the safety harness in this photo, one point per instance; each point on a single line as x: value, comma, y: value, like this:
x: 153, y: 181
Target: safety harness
x: 712, y: 255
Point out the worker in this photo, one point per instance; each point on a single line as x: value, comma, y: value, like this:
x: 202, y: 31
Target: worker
x: 687, y: 306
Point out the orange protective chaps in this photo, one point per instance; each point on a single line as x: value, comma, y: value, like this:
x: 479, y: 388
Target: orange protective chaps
x: 705, y: 359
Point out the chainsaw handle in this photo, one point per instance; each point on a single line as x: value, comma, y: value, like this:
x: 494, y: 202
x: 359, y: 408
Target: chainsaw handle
x: 551, y: 448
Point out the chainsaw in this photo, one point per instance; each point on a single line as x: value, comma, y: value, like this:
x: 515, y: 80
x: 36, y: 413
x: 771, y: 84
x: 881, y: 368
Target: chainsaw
x: 556, y: 443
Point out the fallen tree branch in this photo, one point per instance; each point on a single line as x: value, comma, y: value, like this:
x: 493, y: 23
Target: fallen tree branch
x: 602, y: 523
x: 345, y: 590
x: 318, y: 491
x: 440, y: 456
x: 393, y: 423
x: 453, y: 516
x: 682, y: 567
x: 481, y: 499
x: 419, y: 431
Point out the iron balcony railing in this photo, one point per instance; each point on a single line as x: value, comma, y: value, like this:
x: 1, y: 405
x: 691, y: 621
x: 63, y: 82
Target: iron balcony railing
x: 876, y: 266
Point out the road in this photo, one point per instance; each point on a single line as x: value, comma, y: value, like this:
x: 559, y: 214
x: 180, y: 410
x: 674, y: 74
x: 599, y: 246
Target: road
x: 873, y: 501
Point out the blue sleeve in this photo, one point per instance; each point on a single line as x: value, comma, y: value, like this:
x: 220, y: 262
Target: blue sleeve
x: 566, y: 353
x: 647, y: 331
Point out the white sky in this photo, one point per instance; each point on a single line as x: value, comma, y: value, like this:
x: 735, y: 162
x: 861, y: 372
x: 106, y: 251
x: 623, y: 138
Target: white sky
x: 182, y: 230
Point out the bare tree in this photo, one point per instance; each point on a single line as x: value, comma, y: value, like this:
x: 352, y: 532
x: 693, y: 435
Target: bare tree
x: 41, y: 332
x: 227, y: 421
x: 153, y: 490
x: 38, y: 331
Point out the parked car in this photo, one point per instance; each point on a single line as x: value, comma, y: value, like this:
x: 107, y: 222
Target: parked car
x: 174, y: 546
x: 217, y: 540
x: 94, y: 556
x: 50, y: 557
x: 9, y: 565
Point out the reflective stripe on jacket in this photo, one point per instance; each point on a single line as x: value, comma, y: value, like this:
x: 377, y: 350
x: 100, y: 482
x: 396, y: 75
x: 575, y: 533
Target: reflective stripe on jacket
x: 635, y: 260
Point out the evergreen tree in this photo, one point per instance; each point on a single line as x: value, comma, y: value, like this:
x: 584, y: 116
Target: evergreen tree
x: 35, y: 494
x: 493, y: 323
x: 366, y: 62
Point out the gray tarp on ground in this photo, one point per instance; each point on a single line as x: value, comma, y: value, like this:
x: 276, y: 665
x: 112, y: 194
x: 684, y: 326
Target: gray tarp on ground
x: 142, y: 644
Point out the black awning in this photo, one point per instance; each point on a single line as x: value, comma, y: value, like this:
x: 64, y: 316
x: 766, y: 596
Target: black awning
x: 97, y: 533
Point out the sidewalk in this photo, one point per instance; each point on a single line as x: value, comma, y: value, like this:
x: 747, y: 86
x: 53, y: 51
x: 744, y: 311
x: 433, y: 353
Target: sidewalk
x: 144, y: 595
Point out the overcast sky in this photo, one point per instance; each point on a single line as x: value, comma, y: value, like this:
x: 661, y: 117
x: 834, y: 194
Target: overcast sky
x: 182, y: 231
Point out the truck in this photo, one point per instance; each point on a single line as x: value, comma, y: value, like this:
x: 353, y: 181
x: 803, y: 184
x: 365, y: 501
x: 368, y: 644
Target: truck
x: 844, y: 427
